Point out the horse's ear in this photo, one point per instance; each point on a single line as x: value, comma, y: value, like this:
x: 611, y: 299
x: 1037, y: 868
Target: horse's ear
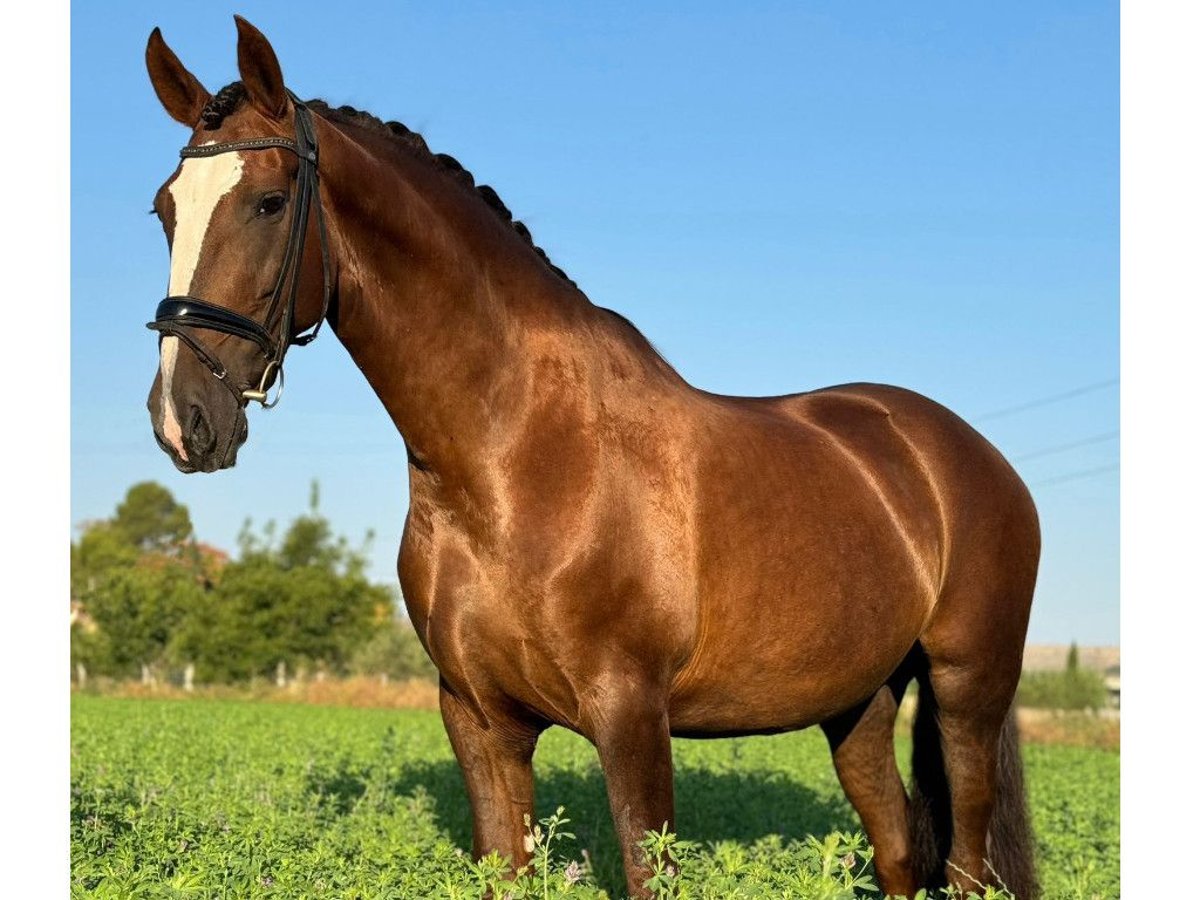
x: 182, y: 95
x: 259, y: 68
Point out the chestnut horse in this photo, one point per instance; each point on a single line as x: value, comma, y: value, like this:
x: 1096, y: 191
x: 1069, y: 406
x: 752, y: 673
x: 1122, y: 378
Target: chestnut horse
x: 592, y: 542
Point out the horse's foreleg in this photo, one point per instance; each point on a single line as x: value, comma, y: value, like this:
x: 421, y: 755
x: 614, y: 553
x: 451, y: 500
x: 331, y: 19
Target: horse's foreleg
x: 496, y: 759
x: 635, y: 752
x: 865, y: 759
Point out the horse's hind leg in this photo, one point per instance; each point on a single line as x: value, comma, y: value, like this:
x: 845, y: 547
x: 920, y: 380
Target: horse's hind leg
x: 865, y: 759
x: 970, y: 726
x: 974, y: 650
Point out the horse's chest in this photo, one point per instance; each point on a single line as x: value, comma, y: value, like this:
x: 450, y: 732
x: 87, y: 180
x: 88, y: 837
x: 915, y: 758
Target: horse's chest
x: 497, y: 626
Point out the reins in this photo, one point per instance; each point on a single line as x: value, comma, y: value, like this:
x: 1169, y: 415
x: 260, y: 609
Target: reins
x: 177, y: 313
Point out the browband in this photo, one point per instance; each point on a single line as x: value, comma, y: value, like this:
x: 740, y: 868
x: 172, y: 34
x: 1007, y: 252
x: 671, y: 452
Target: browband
x: 247, y: 144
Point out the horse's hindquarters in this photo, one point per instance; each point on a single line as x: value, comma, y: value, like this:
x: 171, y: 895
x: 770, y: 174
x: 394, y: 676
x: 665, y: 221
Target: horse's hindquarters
x: 831, y: 526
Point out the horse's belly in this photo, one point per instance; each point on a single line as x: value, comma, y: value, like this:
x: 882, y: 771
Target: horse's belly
x: 815, y: 575
x: 766, y: 676
x: 795, y: 627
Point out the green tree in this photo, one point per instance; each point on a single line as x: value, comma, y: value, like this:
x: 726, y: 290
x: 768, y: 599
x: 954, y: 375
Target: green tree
x: 306, y: 602
x: 150, y: 600
x: 135, y: 576
x: 309, y: 540
x: 1073, y: 658
x: 137, y: 611
x: 152, y: 519
x: 101, y: 549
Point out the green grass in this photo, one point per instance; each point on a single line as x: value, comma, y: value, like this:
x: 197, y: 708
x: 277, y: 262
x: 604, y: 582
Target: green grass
x: 254, y: 800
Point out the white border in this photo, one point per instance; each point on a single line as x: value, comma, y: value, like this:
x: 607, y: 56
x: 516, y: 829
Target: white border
x: 1160, y: 428
x: 1160, y: 293
x: 35, y: 369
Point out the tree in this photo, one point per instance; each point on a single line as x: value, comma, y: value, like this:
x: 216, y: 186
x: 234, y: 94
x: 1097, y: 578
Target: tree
x: 135, y: 576
x: 151, y: 519
x: 137, y: 611
x: 101, y: 549
x: 151, y: 597
x: 305, y: 602
x: 1073, y: 658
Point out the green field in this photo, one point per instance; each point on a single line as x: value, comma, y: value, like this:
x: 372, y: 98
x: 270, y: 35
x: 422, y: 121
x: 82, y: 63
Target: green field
x: 247, y: 800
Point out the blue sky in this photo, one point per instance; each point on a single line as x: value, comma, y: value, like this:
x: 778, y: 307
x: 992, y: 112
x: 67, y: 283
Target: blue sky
x: 782, y: 196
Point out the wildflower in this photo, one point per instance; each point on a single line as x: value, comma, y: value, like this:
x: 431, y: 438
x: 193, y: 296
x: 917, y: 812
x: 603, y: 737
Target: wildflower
x: 848, y: 861
x: 573, y: 872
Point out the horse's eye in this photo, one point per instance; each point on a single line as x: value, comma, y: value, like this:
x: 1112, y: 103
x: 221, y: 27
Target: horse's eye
x: 271, y: 204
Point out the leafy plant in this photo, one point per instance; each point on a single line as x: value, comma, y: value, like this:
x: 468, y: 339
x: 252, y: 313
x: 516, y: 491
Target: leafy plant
x: 248, y: 800
x: 1069, y: 690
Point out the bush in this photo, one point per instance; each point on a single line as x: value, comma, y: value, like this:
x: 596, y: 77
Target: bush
x: 1073, y: 689
x: 262, y: 614
x: 394, y: 651
x: 146, y: 594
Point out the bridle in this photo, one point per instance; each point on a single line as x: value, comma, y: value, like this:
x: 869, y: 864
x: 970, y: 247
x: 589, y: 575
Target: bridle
x: 177, y: 313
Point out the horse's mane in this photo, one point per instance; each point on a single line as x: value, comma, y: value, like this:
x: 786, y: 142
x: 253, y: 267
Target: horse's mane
x: 230, y: 97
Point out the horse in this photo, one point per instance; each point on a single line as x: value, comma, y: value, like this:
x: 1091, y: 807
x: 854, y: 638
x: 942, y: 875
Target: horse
x: 592, y: 542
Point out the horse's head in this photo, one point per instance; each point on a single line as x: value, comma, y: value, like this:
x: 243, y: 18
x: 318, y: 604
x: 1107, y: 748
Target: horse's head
x: 233, y: 224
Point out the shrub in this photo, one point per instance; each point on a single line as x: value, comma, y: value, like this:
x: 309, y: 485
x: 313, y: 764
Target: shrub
x: 394, y: 651
x: 1073, y: 689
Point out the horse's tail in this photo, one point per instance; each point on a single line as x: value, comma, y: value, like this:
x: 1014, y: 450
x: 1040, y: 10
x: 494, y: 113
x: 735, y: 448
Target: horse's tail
x: 1010, y: 837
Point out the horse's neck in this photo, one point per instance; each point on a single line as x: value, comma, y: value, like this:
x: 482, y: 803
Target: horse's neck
x: 455, y: 322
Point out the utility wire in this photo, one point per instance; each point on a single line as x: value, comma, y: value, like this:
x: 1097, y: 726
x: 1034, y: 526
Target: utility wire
x: 1044, y: 401
x: 1073, y: 476
x: 1059, y: 448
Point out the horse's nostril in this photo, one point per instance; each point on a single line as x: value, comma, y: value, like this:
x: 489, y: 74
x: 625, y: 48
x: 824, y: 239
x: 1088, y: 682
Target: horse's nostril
x: 203, y: 438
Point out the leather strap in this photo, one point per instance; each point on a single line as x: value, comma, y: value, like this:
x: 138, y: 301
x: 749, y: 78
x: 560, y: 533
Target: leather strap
x: 188, y: 311
x: 233, y: 146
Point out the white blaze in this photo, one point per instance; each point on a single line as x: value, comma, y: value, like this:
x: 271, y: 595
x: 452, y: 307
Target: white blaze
x: 172, y: 432
x: 196, y: 191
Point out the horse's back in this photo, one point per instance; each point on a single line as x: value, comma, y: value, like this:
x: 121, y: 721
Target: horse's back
x: 966, y: 479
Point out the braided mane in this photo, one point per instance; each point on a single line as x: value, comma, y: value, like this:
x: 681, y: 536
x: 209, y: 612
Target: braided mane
x: 230, y: 97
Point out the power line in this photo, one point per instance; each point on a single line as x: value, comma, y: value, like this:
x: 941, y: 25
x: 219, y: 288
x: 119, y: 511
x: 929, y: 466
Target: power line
x: 1045, y: 401
x: 1073, y: 476
x: 1059, y: 448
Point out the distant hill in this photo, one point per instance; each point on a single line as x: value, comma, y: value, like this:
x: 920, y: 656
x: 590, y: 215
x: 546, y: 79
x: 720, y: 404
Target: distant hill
x: 1053, y: 657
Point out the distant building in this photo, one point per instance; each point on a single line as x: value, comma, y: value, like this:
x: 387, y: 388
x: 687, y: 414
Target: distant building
x: 1112, y: 683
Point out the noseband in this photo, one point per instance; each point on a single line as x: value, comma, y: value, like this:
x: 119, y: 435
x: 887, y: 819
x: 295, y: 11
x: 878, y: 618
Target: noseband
x: 175, y: 314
